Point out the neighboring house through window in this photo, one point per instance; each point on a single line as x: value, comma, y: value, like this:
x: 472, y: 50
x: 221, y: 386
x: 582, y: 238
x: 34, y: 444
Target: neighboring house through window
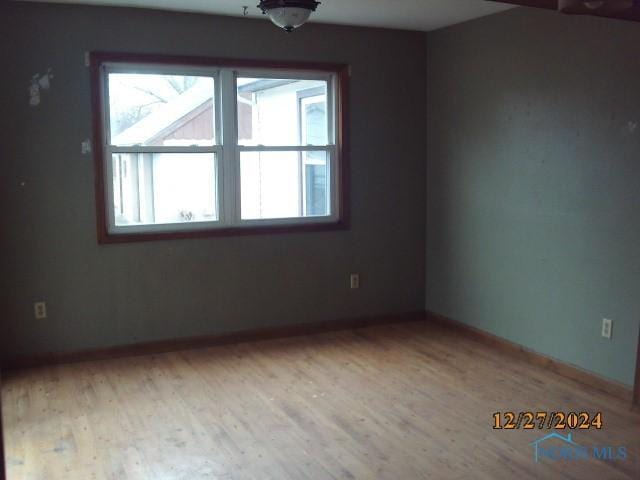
x: 312, y: 109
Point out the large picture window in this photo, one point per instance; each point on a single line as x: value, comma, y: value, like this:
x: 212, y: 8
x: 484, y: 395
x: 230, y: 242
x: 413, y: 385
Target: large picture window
x: 192, y: 146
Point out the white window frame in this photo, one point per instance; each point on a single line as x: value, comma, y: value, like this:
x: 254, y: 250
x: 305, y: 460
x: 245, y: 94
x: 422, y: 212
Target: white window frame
x: 109, y: 149
x: 227, y: 149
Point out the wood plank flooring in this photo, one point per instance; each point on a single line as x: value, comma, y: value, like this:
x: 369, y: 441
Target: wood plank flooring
x: 399, y: 402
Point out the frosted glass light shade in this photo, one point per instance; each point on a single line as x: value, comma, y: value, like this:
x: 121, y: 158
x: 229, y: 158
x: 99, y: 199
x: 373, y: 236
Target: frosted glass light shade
x: 289, y: 18
x: 288, y: 14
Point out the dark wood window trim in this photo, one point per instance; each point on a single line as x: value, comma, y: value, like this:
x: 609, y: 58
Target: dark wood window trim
x: 98, y: 59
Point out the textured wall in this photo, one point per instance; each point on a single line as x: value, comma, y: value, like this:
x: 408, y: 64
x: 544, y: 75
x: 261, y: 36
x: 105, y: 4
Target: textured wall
x: 533, y: 183
x: 117, y: 294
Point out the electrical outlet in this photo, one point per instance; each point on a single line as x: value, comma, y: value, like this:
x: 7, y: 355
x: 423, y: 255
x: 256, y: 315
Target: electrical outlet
x: 40, y: 310
x: 355, y: 281
x: 607, y: 326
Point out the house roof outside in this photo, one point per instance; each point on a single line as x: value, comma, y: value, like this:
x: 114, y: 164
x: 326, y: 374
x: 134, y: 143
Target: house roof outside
x: 166, y: 115
x: 179, y: 111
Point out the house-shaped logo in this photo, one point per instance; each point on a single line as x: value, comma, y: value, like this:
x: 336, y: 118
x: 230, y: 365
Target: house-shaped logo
x: 537, y: 445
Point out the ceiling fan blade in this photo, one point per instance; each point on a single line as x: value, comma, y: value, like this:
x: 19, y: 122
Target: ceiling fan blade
x: 632, y: 13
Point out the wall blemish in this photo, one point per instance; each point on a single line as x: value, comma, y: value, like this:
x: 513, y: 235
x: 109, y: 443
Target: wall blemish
x: 85, y: 147
x: 39, y: 83
x: 632, y: 126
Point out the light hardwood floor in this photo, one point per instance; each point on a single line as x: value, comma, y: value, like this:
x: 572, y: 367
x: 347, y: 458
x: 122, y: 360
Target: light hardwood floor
x: 401, y: 402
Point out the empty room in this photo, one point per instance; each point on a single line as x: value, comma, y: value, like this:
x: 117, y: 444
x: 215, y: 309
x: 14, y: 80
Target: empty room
x: 347, y: 239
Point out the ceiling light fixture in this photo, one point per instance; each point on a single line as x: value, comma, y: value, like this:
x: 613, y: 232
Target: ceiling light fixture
x: 288, y: 14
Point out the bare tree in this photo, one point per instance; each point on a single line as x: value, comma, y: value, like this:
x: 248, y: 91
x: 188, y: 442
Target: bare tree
x: 177, y: 86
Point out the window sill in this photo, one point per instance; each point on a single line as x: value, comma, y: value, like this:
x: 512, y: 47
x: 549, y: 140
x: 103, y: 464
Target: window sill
x: 111, y: 238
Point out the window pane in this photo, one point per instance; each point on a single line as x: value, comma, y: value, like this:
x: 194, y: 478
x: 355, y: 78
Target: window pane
x: 284, y: 184
x: 152, y: 188
x: 169, y: 110
x: 280, y: 112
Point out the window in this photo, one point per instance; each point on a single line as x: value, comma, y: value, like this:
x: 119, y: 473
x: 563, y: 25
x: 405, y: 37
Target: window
x: 191, y: 146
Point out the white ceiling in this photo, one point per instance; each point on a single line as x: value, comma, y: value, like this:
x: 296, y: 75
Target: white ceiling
x: 404, y: 14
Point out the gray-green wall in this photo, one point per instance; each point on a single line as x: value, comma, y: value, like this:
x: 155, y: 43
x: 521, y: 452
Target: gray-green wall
x: 533, y: 183
x: 108, y: 295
